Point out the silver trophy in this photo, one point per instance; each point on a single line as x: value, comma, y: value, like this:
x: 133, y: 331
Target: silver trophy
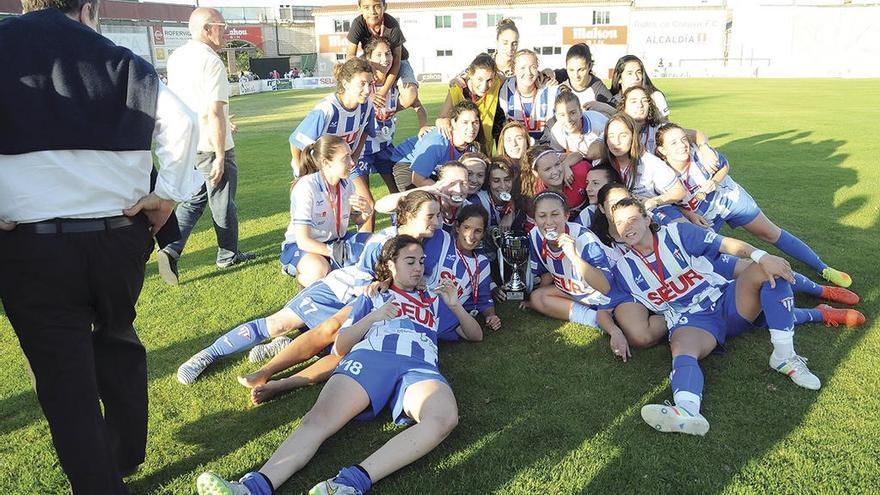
x: 514, y: 249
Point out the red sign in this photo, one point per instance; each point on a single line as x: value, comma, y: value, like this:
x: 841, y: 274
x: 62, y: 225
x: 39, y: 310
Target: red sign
x: 251, y: 34
x: 469, y: 20
x: 158, y: 35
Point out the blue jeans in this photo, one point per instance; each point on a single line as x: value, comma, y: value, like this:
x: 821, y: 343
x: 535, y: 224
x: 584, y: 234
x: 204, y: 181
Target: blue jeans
x: 221, y: 200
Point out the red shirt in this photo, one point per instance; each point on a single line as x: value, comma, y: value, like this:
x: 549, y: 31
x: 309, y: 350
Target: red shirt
x: 576, y: 193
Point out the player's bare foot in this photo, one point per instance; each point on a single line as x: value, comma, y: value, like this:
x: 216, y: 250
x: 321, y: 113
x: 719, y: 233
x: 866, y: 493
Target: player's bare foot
x: 254, y: 379
x: 266, y: 391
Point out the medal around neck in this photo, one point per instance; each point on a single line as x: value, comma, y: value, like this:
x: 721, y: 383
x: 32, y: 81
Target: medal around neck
x: 551, y: 235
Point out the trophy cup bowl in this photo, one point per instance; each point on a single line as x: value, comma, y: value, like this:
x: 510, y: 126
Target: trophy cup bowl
x: 515, y: 250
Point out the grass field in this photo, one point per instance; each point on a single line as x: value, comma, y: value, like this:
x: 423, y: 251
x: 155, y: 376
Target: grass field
x: 544, y: 407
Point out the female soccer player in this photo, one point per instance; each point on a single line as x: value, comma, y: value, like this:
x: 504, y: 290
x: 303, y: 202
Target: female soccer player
x: 419, y: 158
x: 546, y: 169
x: 719, y: 199
x: 477, y: 164
x: 638, y: 105
x: 523, y: 99
x: 470, y: 271
x: 513, y: 141
x: 498, y: 198
x: 576, y: 130
x: 317, y: 240
x: 379, y: 149
x: 481, y: 86
x: 567, y: 259
x: 630, y: 71
x: 347, y: 113
x: 589, y: 89
x: 418, y: 216
x: 644, y: 174
x: 506, y: 45
x: 390, y: 358
x: 668, y: 270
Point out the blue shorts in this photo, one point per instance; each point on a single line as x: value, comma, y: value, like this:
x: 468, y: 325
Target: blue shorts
x: 315, y: 304
x: 291, y: 253
x: 376, y: 163
x: 406, y: 74
x: 665, y: 214
x: 737, y: 213
x: 385, y: 377
x: 722, y: 320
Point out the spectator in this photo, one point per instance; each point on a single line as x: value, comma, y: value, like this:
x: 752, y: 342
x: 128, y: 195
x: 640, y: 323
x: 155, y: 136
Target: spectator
x: 198, y: 76
x: 75, y: 216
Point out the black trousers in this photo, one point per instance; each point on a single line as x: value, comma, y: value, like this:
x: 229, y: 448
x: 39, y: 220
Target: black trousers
x: 71, y: 300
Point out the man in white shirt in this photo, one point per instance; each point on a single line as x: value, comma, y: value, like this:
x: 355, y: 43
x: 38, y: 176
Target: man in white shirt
x: 197, y: 75
x: 76, y: 129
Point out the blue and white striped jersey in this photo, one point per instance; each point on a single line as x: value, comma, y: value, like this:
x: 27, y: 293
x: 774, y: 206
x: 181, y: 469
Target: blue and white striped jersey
x: 330, y: 117
x: 532, y: 111
x: 545, y: 260
x: 383, y: 123
x: 689, y: 282
x: 412, y: 334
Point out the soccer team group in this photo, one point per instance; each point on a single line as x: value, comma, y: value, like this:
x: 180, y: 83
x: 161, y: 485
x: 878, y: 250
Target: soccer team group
x: 621, y: 209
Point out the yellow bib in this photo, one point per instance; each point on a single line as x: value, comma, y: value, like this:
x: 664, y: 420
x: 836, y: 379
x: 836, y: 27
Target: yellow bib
x: 487, y: 105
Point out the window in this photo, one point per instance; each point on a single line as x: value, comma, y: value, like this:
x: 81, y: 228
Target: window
x: 340, y: 57
x: 285, y: 12
x: 444, y: 53
x: 442, y: 21
x: 548, y: 50
x: 492, y: 20
x: 548, y: 18
x: 341, y: 26
x: 601, y: 17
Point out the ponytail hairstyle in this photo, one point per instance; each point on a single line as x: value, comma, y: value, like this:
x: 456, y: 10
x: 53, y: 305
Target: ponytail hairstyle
x: 373, y: 44
x: 505, y: 24
x: 323, y: 149
x: 653, y: 116
x: 472, y: 211
x: 482, y: 61
x: 409, y: 206
x: 661, y: 134
x: 528, y: 165
x: 626, y: 202
x: 618, y: 71
x: 600, y: 225
x: 390, y: 251
x: 344, y: 72
x: 580, y: 50
x: 635, y: 148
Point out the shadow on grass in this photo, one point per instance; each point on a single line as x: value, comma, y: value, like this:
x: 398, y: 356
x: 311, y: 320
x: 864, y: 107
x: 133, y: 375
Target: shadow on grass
x: 19, y: 410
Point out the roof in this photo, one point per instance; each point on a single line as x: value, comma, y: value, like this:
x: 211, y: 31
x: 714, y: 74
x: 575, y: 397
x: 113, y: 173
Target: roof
x: 111, y: 9
x: 461, y: 4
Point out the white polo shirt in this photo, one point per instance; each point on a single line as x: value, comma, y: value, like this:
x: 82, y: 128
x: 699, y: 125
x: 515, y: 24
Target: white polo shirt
x: 197, y: 75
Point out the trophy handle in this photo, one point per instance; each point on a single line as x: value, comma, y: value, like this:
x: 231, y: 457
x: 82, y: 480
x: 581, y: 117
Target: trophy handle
x: 501, y: 264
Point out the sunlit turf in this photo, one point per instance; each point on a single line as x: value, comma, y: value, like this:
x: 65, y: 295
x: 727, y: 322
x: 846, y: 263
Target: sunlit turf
x: 544, y: 407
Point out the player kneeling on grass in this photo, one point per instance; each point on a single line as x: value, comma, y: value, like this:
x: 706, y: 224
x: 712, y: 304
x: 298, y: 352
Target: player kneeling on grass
x: 321, y: 203
x: 668, y: 269
x: 390, y: 358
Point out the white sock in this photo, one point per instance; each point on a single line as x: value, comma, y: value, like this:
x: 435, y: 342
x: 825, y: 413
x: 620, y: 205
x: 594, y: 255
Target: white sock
x: 687, y: 400
x: 783, y: 343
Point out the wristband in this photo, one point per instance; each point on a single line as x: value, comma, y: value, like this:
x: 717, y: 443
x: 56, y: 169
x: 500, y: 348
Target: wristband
x: 757, y: 254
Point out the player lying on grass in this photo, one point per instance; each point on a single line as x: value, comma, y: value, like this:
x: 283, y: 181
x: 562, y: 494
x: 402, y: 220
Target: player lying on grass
x: 669, y: 270
x: 418, y: 216
x: 466, y: 269
x: 390, y: 358
x: 718, y: 199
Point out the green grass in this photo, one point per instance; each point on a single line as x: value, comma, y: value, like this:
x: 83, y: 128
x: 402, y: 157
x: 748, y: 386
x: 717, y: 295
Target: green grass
x: 544, y: 407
